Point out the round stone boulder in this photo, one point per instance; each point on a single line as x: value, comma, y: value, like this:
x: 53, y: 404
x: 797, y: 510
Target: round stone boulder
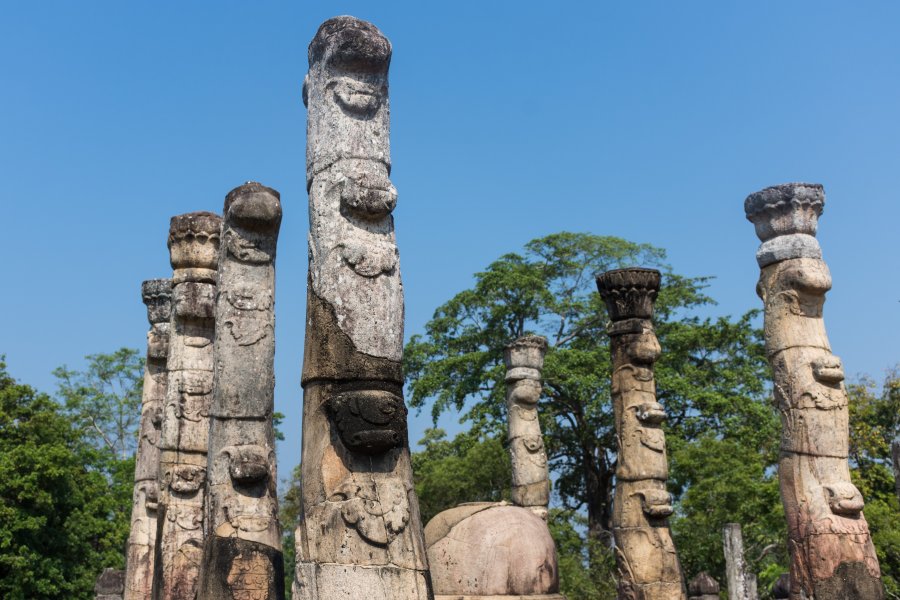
x: 491, y: 549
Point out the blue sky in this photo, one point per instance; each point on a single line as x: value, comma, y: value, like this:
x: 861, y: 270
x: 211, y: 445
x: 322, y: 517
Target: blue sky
x: 646, y: 120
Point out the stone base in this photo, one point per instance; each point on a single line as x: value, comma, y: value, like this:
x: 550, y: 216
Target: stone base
x: 513, y: 597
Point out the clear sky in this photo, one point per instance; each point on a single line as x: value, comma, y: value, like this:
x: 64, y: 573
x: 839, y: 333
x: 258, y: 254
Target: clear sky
x: 649, y: 120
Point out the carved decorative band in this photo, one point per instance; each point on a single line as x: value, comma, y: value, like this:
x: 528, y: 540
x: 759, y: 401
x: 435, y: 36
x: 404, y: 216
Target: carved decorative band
x: 785, y: 247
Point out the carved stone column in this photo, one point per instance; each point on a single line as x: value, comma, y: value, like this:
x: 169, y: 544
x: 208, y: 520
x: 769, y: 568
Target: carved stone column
x: 741, y: 582
x: 703, y: 587
x: 157, y: 295
x: 832, y: 555
x: 648, y: 564
x: 194, y: 253
x: 109, y: 585
x: 530, y: 476
x: 362, y: 534
x: 242, y: 553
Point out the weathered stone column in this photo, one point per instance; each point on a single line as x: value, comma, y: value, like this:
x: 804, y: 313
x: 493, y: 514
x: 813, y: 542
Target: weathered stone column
x: 703, y: 587
x: 157, y: 295
x: 109, y: 585
x: 194, y: 253
x: 242, y: 555
x: 741, y: 583
x: 530, y: 476
x: 832, y: 555
x: 362, y: 535
x: 648, y: 564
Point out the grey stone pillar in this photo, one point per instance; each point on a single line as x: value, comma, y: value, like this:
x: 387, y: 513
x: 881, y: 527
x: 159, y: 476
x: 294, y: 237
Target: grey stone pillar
x: 194, y: 253
x: 361, y: 536
x: 157, y: 295
x: 832, y: 555
x: 645, y: 554
x: 703, y: 587
x: 242, y: 554
x: 530, y: 476
x: 109, y: 585
x: 741, y: 583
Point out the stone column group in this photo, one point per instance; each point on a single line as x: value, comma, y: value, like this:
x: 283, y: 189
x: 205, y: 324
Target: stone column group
x: 205, y: 512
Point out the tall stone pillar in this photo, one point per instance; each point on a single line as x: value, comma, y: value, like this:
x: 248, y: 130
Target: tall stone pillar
x: 832, y: 555
x: 361, y: 535
x: 647, y: 562
x: 741, y: 582
x: 242, y: 555
x: 157, y: 295
x: 530, y: 476
x: 194, y: 253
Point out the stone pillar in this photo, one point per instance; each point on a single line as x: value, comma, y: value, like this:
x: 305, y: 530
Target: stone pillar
x: 361, y: 535
x: 109, y: 585
x: 157, y: 295
x: 647, y: 562
x: 741, y: 583
x: 703, y: 587
x: 194, y: 253
x: 242, y: 552
x: 832, y: 555
x: 530, y: 476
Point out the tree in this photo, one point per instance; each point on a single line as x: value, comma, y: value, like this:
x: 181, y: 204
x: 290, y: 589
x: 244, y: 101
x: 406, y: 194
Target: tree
x: 711, y: 376
x: 105, y: 399
x: 56, y: 526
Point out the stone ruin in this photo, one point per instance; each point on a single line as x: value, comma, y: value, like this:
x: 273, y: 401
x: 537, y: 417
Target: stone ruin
x: 499, y: 550
x: 205, y: 511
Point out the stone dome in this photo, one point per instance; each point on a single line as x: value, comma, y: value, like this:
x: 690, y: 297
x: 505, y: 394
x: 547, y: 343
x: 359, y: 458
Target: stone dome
x: 491, y: 549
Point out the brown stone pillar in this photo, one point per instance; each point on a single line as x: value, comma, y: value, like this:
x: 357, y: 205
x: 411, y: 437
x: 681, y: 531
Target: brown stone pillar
x: 361, y: 536
x: 832, y: 555
x: 648, y: 564
x: 194, y: 253
x: 703, y: 587
x: 530, y: 476
x: 242, y: 553
x: 109, y: 585
x: 157, y: 295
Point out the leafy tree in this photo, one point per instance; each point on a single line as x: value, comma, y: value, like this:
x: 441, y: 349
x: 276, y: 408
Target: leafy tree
x: 874, y: 423
x: 57, y: 530
x: 290, y: 513
x: 464, y: 469
x: 711, y: 376
x: 105, y: 399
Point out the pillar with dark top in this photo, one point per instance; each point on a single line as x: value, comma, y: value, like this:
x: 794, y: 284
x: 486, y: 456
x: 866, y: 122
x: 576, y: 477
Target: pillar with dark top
x: 139, y: 558
x: 645, y: 554
x: 831, y: 550
x: 194, y: 254
x: 361, y: 534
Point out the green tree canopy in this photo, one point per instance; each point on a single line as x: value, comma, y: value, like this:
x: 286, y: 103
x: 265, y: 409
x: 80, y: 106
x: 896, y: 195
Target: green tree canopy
x: 711, y: 377
x: 57, y: 530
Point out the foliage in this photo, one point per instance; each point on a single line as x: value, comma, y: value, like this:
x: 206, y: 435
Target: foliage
x: 290, y: 512
x: 874, y: 423
x: 576, y: 552
x: 464, y: 469
x: 710, y: 377
x: 105, y: 399
x: 57, y: 529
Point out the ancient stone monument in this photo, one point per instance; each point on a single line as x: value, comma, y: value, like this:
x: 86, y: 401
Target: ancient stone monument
x: 493, y: 549
x: 832, y: 555
x: 361, y: 536
x: 741, y: 582
x: 157, y: 295
x: 703, y: 587
x: 242, y: 556
x: 109, y: 585
x: 647, y: 563
x: 530, y: 475
x: 194, y: 253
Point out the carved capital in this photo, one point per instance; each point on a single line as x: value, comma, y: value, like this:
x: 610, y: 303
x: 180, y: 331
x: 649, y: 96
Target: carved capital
x: 629, y: 293
x: 157, y: 295
x: 194, y: 241
x: 252, y: 220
